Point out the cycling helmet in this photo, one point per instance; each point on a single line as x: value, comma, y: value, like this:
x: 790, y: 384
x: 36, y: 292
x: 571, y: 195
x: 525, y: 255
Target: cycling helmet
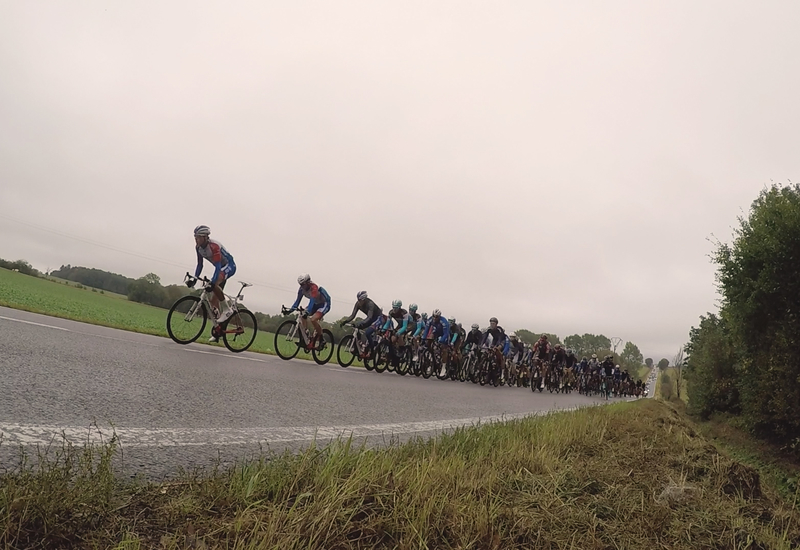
x: 513, y: 335
x: 452, y: 320
x: 436, y: 313
x: 493, y: 320
x: 303, y: 279
x: 570, y: 352
x: 397, y: 304
x: 475, y: 326
x: 412, y: 308
x: 424, y: 316
x: 362, y: 295
x: 558, y: 346
x: 202, y: 231
x: 594, y: 356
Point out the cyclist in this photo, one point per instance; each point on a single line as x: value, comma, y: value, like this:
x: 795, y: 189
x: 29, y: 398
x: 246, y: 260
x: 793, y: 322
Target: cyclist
x: 437, y: 327
x: 498, y: 336
x: 412, y: 310
x: 514, y: 348
x: 474, y: 336
x: 224, y: 268
x: 319, y: 303
x: 369, y: 308
x: 541, y: 349
x: 405, y: 323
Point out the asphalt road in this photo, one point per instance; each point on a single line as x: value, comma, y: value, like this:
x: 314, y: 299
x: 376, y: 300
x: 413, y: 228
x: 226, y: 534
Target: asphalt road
x: 176, y: 406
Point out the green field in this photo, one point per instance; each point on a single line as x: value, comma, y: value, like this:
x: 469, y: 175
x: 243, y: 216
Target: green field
x: 52, y: 297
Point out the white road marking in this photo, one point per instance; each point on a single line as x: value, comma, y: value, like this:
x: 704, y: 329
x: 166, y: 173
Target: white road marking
x: 22, y: 434
x: 32, y: 323
x: 225, y: 355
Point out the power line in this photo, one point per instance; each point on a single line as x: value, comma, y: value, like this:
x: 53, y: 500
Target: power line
x: 136, y: 254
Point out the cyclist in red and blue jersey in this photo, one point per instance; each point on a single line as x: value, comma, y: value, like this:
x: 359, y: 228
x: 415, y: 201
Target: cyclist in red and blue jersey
x: 224, y: 268
x: 319, y: 303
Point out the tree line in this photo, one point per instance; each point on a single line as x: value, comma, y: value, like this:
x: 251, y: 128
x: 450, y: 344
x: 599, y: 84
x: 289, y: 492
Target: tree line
x: 743, y: 360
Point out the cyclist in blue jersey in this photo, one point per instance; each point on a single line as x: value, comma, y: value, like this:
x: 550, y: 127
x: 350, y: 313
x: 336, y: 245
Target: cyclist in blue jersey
x: 224, y: 267
x: 319, y: 303
x: 437, y: 327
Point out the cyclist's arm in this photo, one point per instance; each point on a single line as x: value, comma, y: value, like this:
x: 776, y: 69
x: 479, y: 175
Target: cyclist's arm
x: 352, y: 315
x: 404, y: 328
x: 299, y: 297
x: 199, y: 269
x: 388, y: 324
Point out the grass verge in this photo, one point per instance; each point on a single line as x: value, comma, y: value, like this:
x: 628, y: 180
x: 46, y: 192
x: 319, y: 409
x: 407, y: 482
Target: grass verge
x: 51, y: 297
x: 630, y: 475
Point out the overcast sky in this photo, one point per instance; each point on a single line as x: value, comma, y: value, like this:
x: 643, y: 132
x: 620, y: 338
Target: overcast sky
x: 561, y: 165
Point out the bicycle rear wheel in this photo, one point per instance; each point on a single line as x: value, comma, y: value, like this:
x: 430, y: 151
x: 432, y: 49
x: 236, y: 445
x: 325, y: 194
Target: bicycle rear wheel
x: 324, y: 353
x: 186, y: 319
x: 240, y: 330
x: 287, y: 340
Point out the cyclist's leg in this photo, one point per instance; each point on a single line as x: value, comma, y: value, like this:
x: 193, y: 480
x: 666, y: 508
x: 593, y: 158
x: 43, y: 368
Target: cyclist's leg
x: 318, y: 313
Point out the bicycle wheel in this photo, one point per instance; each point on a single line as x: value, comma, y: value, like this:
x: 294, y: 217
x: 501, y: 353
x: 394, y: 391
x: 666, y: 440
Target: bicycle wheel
x: 345, y: 352
x: 324, y: 353
x: 186, y: 319
x: 405, y: 362
x: 381, y: 358
x: 287, y: 340
x: 240, y: 330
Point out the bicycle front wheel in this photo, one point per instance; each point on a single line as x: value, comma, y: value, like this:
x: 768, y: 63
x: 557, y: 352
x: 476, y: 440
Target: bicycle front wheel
x: 323, y: 352
x: 240, y: 331
x: 287, y: 340
x: 345, y: 355
x: 186, y: 319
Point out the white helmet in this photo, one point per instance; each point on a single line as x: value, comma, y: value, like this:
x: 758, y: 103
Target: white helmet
x: 436, y: 313
x: 202, y: 231
x: 512, y: 335
x: 303, y: 279
x: 362, y: 295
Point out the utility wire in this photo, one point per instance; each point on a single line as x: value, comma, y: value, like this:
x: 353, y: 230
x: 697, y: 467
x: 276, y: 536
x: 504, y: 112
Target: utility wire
x: 136, y: 254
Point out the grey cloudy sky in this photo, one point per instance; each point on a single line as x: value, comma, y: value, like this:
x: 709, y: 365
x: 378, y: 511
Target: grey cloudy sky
x: 560, y: 165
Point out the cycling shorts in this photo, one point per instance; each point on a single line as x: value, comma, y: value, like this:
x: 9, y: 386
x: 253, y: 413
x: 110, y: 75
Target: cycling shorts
x: 226, y: 273
x: 321, y: 308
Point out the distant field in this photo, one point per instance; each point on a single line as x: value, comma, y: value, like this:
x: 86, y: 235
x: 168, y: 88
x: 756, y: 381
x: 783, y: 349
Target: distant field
x: 51, y: 297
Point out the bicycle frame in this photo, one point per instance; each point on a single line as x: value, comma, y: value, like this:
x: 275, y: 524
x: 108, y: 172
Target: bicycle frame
x: 205, y: 299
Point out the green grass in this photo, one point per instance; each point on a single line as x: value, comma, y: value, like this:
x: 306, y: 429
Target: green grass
x: 51, y: 297
x: 633, y: 475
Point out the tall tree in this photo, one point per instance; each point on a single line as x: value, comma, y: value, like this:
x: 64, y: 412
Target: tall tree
x: 631, y: 356
x: 663, y: 364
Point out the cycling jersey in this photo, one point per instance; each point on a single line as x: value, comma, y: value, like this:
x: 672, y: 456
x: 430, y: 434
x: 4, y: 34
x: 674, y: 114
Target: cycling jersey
x: 438, y: 328
x: 318, y: 297
x: 542, y: 349
x: 368, y: 308
x: 217, y: 256
x: 571, y: 360
x: 403, y: 319
x: 474, y: 337
x: 513, y: 348
x: 498, y: 336
x: 457, y: 335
